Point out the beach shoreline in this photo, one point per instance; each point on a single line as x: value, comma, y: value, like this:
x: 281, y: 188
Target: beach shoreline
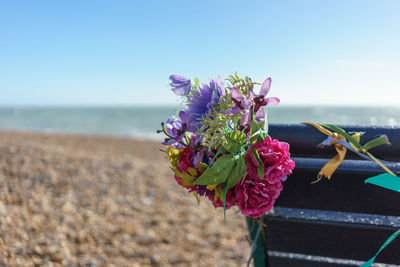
x: 73, y: 199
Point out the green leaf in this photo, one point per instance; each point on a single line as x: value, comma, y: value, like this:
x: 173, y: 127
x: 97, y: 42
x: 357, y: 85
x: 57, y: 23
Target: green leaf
x: 234, y: 141
x: 237, y: 172
x: 260, y: 167
x: 216, y: 154
x: 266, y: 121
x: 382, y: 140
x: 256, y: 126
x: 385, y: 180
x: 196, y: 82
x: 342, y: 132
x: 218, y: 172
x: 224, y: 189
x: 262, y: 136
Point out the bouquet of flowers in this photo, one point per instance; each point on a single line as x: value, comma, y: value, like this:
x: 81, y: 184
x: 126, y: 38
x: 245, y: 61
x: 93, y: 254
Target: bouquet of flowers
x: 218, y: 144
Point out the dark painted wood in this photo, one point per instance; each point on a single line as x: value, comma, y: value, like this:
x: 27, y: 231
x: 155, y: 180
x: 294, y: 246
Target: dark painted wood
x: 280, y: 261
x: 347, y: 219
x: 331, y: 240
x: 341, y: 218
x: 345, y: 191
x: 304, y: 140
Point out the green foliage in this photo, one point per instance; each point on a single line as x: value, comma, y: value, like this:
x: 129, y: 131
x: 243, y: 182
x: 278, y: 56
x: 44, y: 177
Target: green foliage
x: 228, y: 169
x: 215, y: 125
x: 262, y: 135
x: 240, y: 84
x: 339, y: 130
x: 257, y: 131
x: 224, y: 189
x: 256, y: 126
x: 234, y: 141
x: 218, y: 172
x: 196, y: 83
x: 382, y: 140
x: 260, y: 167
x: 238, y: 171
x: 216, y: 155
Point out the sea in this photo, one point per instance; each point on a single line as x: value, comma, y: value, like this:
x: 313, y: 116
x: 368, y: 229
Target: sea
x: 142, y: 122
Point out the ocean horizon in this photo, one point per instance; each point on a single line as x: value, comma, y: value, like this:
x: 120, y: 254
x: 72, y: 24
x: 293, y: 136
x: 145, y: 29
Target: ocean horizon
x: 143, y: 121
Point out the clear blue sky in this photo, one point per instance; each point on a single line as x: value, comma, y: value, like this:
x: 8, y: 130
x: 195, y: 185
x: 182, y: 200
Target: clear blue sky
x: 122, y: 52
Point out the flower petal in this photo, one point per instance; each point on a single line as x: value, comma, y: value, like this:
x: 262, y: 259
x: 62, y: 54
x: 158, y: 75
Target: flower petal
x: 260, y: 114
x: 232, y: 111
x: 246, y: 118
x: 177, y: 79
x: 246, y: 104
x: 180, y: 91
x: 237, y: 96
x: 219, y: 82
x: 180, y: 85
x: 265, y: 87
x: 259, y: 101
x: 184, y: 116
x: 272, y: 101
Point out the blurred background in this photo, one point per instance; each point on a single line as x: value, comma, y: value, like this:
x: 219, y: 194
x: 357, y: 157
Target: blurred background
x: 84, y: 87
x: 102, y: 67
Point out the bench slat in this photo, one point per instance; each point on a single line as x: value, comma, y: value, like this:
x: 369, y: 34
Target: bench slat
x: 330, y: 239
x: 391, y: 223
x: 304, y: 139
x: 345, y: 191
x: 278, y: 258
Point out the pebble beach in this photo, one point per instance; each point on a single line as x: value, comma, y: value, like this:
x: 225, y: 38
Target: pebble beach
x: 81, y: 200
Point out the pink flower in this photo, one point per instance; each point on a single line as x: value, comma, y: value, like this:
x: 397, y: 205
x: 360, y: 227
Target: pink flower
x: 275, y: 157
x: 230, y: 199
x: 256, y: 196
x: 186, y: 173
x: 185, y: 159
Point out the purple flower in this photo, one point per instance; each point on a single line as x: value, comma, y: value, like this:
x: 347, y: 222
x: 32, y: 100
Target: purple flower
x: 198, y: 157
x: 245, y: 105
x: 203, y: 101
x: 180, y: 85
x: 175, y: 129
x: 260, y: 100
x: 242, y: 105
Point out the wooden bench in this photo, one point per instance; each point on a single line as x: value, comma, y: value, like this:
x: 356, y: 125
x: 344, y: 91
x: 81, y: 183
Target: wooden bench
x: 337, y: 222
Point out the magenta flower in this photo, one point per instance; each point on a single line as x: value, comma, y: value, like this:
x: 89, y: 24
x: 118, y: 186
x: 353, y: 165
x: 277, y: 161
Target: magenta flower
x: 276, y: 158
x: 230, y: 200
x: 185, y: 159
x: 180, y: 85
x: 254, y: 196
x: 184, y: 163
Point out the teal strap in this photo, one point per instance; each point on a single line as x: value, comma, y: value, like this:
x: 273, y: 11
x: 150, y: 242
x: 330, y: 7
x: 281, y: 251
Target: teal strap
x: 387, y: 242
x: 385, y: 180
x: 257, y: 243
x: 391, y: 182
